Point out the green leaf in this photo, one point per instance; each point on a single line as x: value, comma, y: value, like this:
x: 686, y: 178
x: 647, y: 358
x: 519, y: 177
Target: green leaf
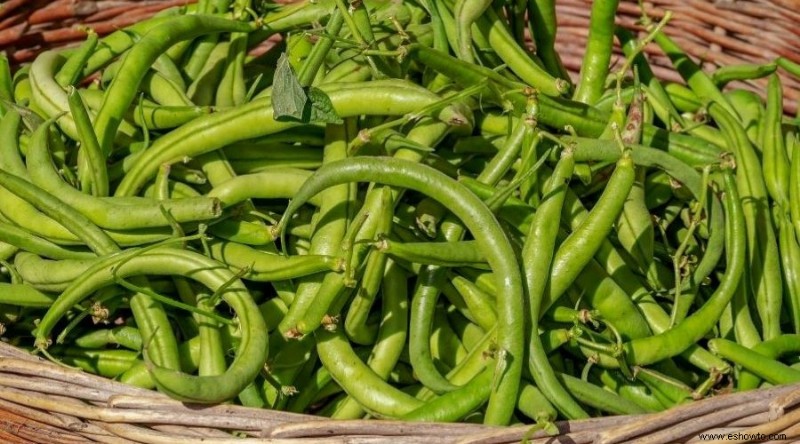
x: 289, y: 100
x: 321, y: 107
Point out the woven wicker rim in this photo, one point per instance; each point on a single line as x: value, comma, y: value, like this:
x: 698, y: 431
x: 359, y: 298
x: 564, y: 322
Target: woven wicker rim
x: 32, y: 402
x: 714, y: 33
x: 44, y: 402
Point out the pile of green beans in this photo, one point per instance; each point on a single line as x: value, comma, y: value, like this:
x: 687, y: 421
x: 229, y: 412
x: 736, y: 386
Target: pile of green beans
x: 400, y: 210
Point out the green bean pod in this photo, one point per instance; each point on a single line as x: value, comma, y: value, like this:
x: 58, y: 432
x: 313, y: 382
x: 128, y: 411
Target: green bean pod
x: 770, y: 370
x: 576, y: 251
x: 643, y: 351
x: 256, y: 119
x: 595, y: 65
x: 142, y: 55
x: 491, y: 240
x: 763, y: 269
x: 444, y: 254
x: 166, y: 261
x: 771, y: 349
x: 775, y: 161
x: 263, y: 266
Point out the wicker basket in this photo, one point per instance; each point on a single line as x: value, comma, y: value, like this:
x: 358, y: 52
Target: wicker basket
x: 715, y: 33
x: 43, y: 403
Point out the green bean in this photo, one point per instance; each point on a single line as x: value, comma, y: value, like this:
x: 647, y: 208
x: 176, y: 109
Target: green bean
x: 763, y: 271
x: 72, y: 70
x: 255, y: 120
x: 232, y: 90
x: 554, y: 112
x: 668, y: 390
x: 631, y: 390
x: 162, y: 90
x: 23, y: 295
x: 771, y: 349
x: 27, y: 241
x: 212, y: 353
x: 745, y: 329
x: 49, y: 275
x: 576, y: 251
x: 171, y: 261
x: 635, y: 226
x: 788, y: 66
x: 655, y: 90
x: 483, y: 226
x: 77, y: 224
x: 445, y: 254
x: 770, y: 370
x: 273, y: 184
x: 492, y: 27
x: 138, y: 60
x: 425, y: 296
x: 47, y: 94
x: 392, y: 332
x: 480, y: 304
x: 533, y: 404
x: 283, y: 368
x: 513, y: 210
x: 446, y: 347
x: 359, y: 381
x: 594, y: 68
x: 683, y: 98
x: 697, y: 80
x: 537, y: 260
x: 355, y: 324
x: 598, y: 398
x: 544, y: 28
x: 201, y: 52
x: 92, y: 168
x: 120, y: 41
x: 305, y: 397
x: 106, y: 363
x: 643, y: 351
x: 730, y: 73
x: 794, y: 188
x: 751, y: 110
x: 327, y: 238
x: 128, y: 337
x: 6, y: 83
x: 604, y: 294
x: 201, y: 90
x: 423, y: 305
x: 315, y: 59
x: 150, y: 114
x: 429, y: 215
x: 264, y: 266
x: 10, y: 159
x: 456, y: 404
x: 775, y: 161
x: 109, y: 213
x: 654, y: 158
x: 466, y: 13
x: 790, y: 255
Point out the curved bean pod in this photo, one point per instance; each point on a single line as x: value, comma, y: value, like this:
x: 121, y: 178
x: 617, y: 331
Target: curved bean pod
x: 655, y: 348
x: 251, y: 354
x: 255, y: 119
x: 490, y: 237
x: 141, y: 57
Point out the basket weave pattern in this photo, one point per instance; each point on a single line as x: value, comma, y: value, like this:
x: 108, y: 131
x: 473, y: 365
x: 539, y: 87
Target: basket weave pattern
x: 41, y: 402
x: 714, y: 33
